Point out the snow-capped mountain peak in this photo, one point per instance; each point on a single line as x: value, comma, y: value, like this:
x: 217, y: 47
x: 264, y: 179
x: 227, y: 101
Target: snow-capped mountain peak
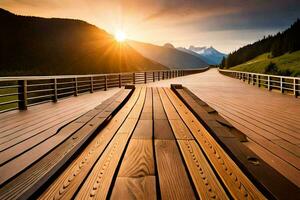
x: 213, y: 56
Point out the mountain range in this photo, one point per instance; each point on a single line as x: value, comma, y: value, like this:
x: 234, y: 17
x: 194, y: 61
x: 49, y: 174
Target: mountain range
x: 208, y: 54
x: 168, y: 55
x: 46, y: 46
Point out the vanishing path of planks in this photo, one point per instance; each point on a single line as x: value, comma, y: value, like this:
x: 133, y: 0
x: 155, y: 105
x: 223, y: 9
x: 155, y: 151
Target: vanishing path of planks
x: 152, y: 149
x: 142, y: 143
x: 270, y: 120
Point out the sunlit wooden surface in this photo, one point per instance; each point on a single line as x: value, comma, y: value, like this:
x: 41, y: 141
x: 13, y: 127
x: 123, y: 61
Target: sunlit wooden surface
x: 270, y: 120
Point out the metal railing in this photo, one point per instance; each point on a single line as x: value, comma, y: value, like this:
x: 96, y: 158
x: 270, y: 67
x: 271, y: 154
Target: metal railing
x: 21, y: 92
x: 284, y: 84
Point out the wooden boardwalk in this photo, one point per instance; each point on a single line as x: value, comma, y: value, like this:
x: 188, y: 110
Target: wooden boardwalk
x: 139, y: 144
x: 22, y: 132
x: 270, y: 120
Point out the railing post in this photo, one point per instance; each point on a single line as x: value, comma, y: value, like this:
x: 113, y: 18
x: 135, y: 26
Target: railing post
x: 163, y: 75
x: 92, y: 85
x: 55, y: 90
x: 158, y: 75
x: 120, y: 81
x: 269, y: 83
x: 153, y: 76
x: 296, y: 88
x: 249, y: 80
x: 145, y: 77
x: 252, y: 76
x: 133, y: 78
x: 105, y: 83
x: 22, y: 96
x: 258, y: 80
x: 75, y: 87
x: 281, y: 85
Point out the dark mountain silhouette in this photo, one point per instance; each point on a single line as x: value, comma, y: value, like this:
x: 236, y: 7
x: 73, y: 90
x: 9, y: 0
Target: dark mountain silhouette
x: 168, y: 56
x: 42, y: 46
x: 169, y: 45
x: 287, y: 41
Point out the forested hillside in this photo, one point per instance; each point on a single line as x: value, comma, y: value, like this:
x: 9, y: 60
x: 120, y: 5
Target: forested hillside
x: 42, y: 46
x: 287, y: 41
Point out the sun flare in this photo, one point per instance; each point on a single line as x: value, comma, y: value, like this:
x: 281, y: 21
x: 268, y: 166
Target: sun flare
x: 120, y: 36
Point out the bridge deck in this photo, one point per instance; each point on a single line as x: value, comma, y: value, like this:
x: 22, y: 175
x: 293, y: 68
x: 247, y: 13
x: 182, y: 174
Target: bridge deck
x: 135, y: 155
x: 270, y: 120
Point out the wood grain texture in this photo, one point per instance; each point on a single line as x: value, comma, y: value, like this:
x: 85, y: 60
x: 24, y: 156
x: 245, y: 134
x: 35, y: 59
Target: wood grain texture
x: 167, y: 105
x: 173, y: 179
x: 34, y: 177
x: 180, y: 130
x: 66, y: 184
x: 162, y: 130
x: 264, y: 176
x: 138, y: 160
x: 280, y: 113
x: 143, y: 130
x: 236, y: 182
x: 205, y: 181
x: 134, y: 188
x: 99, y: 180
x: 158, y: 110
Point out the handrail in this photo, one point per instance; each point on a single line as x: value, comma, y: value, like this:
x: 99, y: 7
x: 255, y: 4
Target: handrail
x: 5, y: 78
x: 285, y: 84
x: 23, y: 91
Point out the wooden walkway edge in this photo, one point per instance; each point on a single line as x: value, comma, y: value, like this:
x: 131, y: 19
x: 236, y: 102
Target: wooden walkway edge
x: 229, y: 138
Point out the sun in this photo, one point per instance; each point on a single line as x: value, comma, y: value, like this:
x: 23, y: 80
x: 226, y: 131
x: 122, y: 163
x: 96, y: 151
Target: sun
x: 120, y: 36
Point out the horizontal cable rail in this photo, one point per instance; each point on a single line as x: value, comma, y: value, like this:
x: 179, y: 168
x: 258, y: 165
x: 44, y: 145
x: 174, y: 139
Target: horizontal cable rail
x: 284, y: 84
x: 23, y: 91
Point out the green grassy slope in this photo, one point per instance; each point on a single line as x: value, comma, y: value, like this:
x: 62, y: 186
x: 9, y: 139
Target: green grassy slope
x: 287, y: 64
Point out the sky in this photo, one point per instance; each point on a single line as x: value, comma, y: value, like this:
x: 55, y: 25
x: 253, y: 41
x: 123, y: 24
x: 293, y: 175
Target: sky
x: 223, y: 24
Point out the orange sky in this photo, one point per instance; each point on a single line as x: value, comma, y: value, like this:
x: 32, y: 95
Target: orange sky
x: 226, y: 25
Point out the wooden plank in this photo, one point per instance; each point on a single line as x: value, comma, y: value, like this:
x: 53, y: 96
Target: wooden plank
x: 180, y: 130
x: 158, y: 110
x: 205, y: 181
x: 138, y: 160
x: 173, y: 179
x: 260, y: 136
x: 134, y: 188
x: 34, y: 177
x: 268, y: 154
x: 162, y: 128
x: 99, y: 180
x: 263, y: 119
x: 235, y: 180
x: 136, y: 177
x: 43, y: 132
x: 143, y: 130
x: 167, y: 105
x: 278, y: 111
x: 62, y: 187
